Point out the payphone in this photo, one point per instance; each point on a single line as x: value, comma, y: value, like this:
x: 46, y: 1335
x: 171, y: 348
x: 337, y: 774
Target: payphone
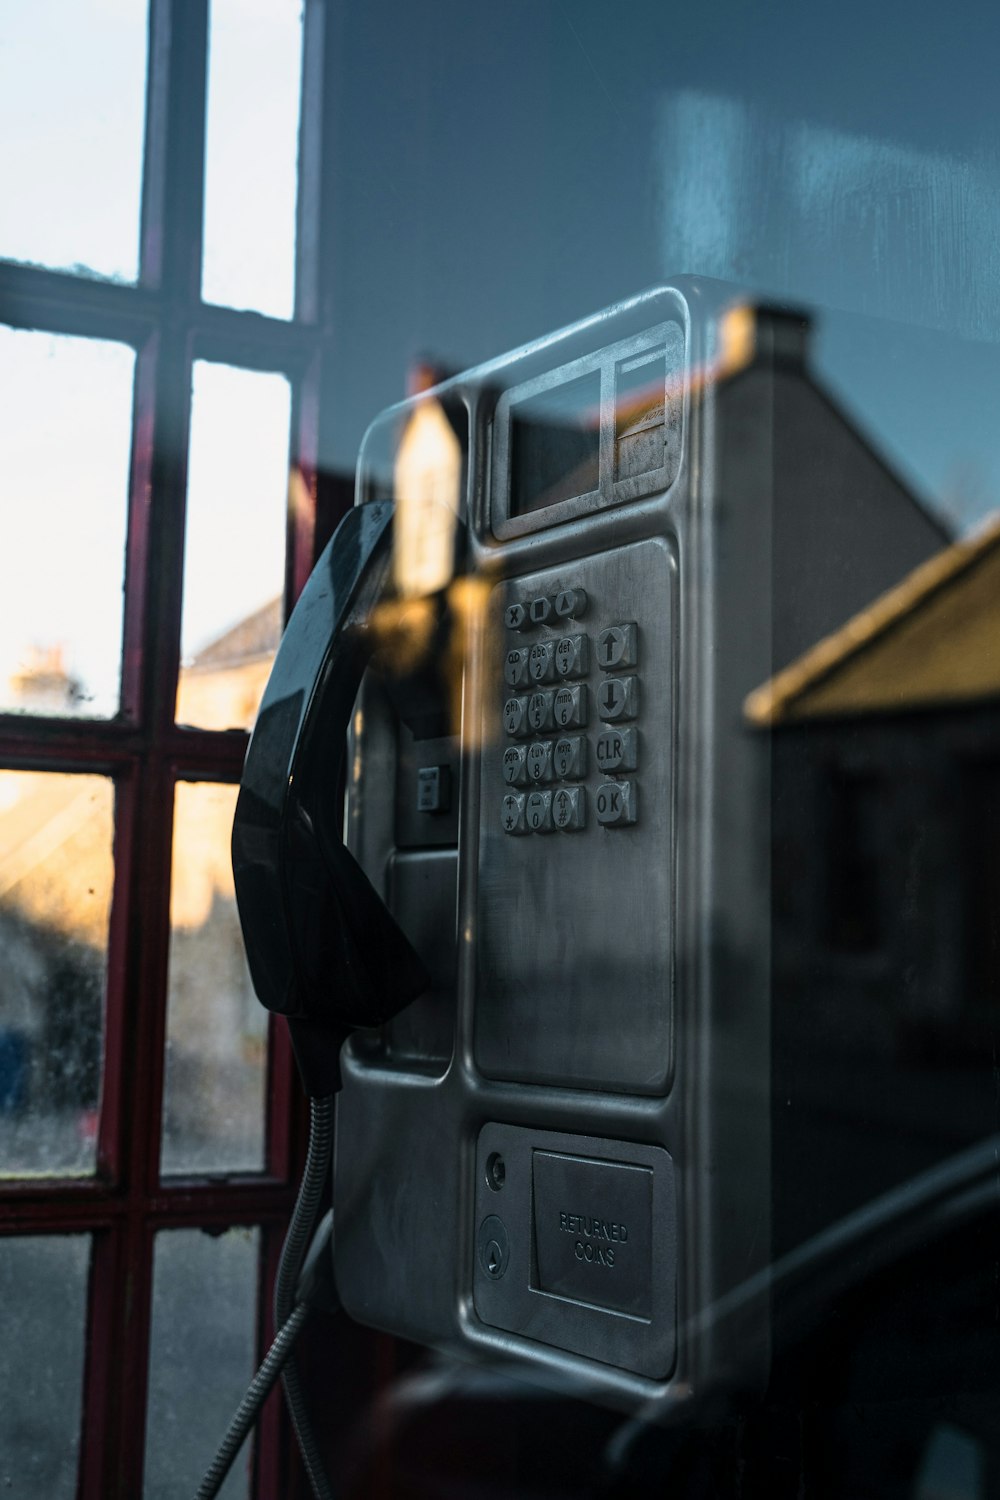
x: 534, y: 958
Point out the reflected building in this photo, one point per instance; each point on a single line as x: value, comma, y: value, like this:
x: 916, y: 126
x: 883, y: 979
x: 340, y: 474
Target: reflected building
x: 886, y: 889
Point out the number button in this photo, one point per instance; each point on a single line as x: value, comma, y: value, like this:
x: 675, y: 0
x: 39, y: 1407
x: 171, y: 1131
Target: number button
x: 515, y: 769
x: 540, y: 711
x: 538, y: 812
x: 569, y: 757
x: 618, y: 698
x: 539, y: 760
x: 515, y: 667
x: 540, y: 661
x: 569, y: 706
x: 515, y: 714
x: 617, y: 647
x: 616, y: 750
x: 571, y: 656
x: 512, y: 813
x: 615, y: 804
x: 569, y: 808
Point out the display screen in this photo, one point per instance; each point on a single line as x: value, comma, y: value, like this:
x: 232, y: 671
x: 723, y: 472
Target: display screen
x: 555, y: 442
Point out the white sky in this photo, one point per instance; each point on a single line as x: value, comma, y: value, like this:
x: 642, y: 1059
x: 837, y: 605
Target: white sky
x: 70, y: 177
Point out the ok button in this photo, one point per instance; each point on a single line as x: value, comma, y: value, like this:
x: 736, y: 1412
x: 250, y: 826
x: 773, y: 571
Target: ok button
x: 615, y: 804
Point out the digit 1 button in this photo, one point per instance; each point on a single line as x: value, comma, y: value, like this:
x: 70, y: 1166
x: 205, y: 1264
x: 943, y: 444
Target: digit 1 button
x: 571, y: 656
x: 616, y: 750
x: 617, y: 647
x: 539, y: 760
x: 515, y: 667
x: 615, y: 804
x: 540, y: 661
x: 569, y: 808
x: 571, y: 602
x: 618, y: 698
x: 569, y: 757
x: 515, y: 770
x: 538, y: 812
x: 569, y: 706
x: 512, y: 813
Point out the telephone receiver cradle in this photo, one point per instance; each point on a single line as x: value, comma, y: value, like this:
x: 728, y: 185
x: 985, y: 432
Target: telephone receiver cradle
x: 322, y: 947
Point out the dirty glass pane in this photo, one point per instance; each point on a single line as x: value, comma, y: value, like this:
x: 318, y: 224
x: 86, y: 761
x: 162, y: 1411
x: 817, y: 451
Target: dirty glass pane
x: 201, y: 1357
x: 43, y: 1293
x: 213, y: 1103
x: 56, y: 872
x: 251, y: 154
x: 65, y: 441
x: 234, y: 557
x: 72, y: 99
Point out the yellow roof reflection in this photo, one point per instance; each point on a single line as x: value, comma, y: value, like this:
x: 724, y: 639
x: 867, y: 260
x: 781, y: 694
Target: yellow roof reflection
x: 932, y: 640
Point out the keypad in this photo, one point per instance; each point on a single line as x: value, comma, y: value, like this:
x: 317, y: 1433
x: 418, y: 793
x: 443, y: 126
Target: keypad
x: 563, y: 677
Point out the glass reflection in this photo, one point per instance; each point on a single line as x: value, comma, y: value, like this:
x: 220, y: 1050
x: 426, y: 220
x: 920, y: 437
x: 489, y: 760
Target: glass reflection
x: 64, y: 467
x: 251, y: 154
x: 43, y: 1291
x: 201, y: 1356
x: 237, y: 502
x: 72, y: 102
x: 55, y: 899
x: 216, y: 1062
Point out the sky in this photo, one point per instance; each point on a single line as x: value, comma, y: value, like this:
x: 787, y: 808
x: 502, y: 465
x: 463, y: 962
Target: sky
x: 70, y: 183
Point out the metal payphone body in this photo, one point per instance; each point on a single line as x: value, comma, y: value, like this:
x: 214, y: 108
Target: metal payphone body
x: 560, y: 1153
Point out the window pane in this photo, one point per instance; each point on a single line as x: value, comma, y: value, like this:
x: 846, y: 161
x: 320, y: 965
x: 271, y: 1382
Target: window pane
x: 234, y: 559
x: 65, y: 441
x: 251, y: 154
x: 204, y: 1294
x: 43, y: 1292
x: 56, y: 870
x: 216, y: 1028
x: 72, y: 99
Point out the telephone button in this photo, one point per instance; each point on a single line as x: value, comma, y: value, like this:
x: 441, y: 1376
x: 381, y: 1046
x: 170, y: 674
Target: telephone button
x: 569, y: 706
x: 539, y: 760
x: 515, y: 716
x: 617, y: 646
x: 617, y: 750
x: 540, y: 661
x: 538, y: 812
x: 515, y: 767
x: 515, y: 667
x: 571, y: 602
x: 569, y: 757
x: 572, y: 656
x: 540, y: 611
x: 616, y: 804
x: 516, y: 616
x: 540, y: 711
x: 618, y: 698
x: 512, y: 813
x: 569, y: 808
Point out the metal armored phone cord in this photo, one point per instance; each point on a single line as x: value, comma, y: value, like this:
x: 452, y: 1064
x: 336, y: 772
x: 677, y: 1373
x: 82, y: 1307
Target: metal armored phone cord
x: 300, y: 1231
x: 289, y: 1316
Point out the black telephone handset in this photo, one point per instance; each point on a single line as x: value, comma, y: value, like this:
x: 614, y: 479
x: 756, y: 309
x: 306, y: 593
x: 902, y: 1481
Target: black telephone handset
x: 322, y: 947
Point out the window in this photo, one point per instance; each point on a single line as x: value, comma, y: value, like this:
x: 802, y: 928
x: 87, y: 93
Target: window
x: 160, y: 386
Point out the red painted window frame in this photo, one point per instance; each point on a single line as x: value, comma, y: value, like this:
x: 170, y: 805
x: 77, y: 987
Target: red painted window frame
x: 162, y: 317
